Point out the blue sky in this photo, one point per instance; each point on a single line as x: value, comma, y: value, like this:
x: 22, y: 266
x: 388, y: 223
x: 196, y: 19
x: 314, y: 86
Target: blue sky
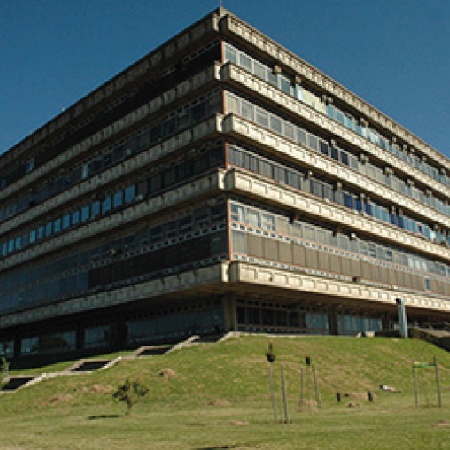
x: 393, y: 53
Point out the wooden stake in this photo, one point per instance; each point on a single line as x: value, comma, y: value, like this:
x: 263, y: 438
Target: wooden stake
x: 437, y: 383
x: 272, y: 395
x: 302, y: 394
x: 316, y: 387
x: 286, y: 409
x: 415, y: 386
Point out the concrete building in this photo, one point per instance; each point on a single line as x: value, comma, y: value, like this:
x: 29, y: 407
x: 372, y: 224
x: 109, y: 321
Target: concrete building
x: 219, y: 183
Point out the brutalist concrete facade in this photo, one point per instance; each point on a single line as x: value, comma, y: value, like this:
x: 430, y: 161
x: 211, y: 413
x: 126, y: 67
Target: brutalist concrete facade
x: 219, y: 183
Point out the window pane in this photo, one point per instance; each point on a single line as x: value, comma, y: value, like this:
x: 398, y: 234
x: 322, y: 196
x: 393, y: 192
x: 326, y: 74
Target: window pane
x: 130, y: 193
x: 85, y: 213
x: 107, y: 204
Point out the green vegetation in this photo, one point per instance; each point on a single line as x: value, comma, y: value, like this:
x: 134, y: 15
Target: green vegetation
x: 216, y: 396
x: 129, y: 393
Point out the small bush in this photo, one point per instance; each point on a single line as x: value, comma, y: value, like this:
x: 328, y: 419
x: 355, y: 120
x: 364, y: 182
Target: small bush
x: 130, y: 392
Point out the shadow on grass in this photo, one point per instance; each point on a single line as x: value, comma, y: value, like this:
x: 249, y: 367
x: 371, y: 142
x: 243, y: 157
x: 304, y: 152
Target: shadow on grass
x: 222, y: 447
x: 104, y: 416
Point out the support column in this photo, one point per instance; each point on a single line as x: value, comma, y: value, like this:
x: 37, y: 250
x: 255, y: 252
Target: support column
x: 229, y: 312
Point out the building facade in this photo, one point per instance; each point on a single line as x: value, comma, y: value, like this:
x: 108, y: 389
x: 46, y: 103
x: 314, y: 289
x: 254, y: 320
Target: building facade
x: 219, y: 183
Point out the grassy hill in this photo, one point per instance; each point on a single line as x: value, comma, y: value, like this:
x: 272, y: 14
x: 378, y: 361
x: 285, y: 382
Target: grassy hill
x: 216, y: 396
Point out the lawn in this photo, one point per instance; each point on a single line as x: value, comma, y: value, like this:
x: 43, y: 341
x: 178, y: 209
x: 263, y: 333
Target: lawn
x: 217, y: 397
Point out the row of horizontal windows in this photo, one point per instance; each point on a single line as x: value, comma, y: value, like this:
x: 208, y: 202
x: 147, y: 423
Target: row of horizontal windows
x: 304, y: 181
x: 164, y: 324
x: 275, y: 224
x: 285, y: 83
x: 273, y: 122
x: 87, y: 125
x: 162, y: 177
x: 64, y: 277
x: 304, y: 321
x: 289, y: 130
x: 140, y: 141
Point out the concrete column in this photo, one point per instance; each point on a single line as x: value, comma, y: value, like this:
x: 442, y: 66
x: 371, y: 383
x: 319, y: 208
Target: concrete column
x: 229, y: 312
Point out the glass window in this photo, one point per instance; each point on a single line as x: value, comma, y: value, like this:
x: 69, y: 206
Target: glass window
x: 253, y: 217
x: 247, y: 110
x: 57, y: 225
x: 232, y: 103
x: 18, y: 243
x: 272, y: 78
x: 130, y: 193
x: 237, y: 213
x: 324, y: 149
x: 301, y: 136
x: 48, y: 229
x: 230, y: 53
x: 285, y: 84
x: 268, y: 222
x: 289, y: 130
x: 259, y: 70
x: 41, y: 232
x: 95, y: 209
x: 11, y: 245
x: 245, y: 62
x: 262, y: 118
x: 275, y: 124
x: 313, y: 143
x: 106, y: 205
x: 76, y: 217
x: 32, y: 236
x: 118, y: 199
x: 85, y: 213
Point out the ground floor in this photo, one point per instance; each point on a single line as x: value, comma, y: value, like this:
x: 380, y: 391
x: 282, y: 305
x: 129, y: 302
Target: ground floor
x: 172, y: 318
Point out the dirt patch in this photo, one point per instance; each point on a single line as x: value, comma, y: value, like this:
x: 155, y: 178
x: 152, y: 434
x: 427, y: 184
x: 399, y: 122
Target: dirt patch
x: 442, y: 423
x: 308, y: 404
x: 97, y: 389
x: 239, y: 422
x: 220, y: 403
x: 167, y: 373
x: 359, y: 395
x: 60, y: 398
x: 353, y: 405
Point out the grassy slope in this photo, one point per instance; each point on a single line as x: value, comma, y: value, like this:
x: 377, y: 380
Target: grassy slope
x: 65, y: 413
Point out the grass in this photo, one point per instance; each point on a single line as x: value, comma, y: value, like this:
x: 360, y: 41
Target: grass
x: 218, y: 398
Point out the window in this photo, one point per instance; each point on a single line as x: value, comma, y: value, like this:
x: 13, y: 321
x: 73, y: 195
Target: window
x: 230, y: 54
x: 247, y: 110
x: 48, y: 229
x: 245, y: 62
x: 275, y: 124
x: 41, y: 232
x: 57, y: 225
x: 107, y: 203
x: 262, y: 118
x: 253, y: 217
x: 237, y: 213
x: 118, y: 199
x: 95, y: 209
x: 76, y: 217
x: 85, y: 213
x: 130, y: 193
x: 32, y: 236
x: 268, y: 222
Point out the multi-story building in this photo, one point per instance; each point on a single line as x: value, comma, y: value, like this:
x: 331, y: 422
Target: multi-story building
x: 219, y: 183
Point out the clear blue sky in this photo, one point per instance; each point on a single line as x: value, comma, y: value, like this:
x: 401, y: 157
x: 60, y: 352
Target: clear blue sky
x: 393, y: 53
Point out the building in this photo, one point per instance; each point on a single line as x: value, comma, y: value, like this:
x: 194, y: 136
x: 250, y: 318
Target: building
x: 219, y: 183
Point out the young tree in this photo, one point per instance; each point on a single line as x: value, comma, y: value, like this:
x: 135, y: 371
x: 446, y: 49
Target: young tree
x: 130, y: 392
